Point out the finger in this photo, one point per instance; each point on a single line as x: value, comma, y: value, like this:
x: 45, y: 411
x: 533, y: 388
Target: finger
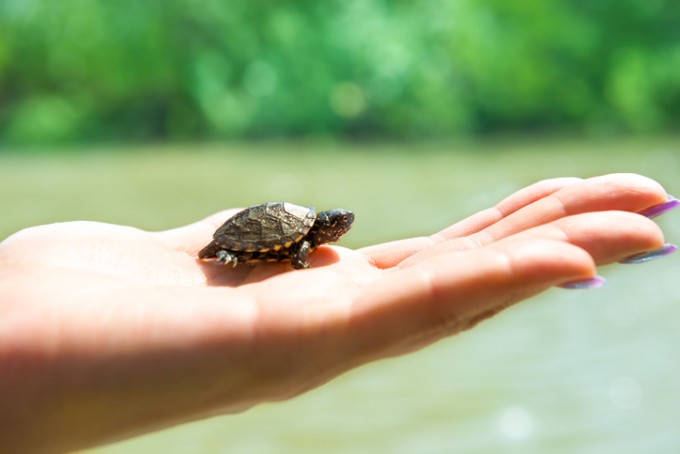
x: 607, y: 236
x: 533, y: 206
x: 452, y: 292
x: 622, y: 192
x: 511, y: 204
x: 389, y: 254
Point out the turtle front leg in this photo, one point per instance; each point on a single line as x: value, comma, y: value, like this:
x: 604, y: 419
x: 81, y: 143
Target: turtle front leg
x: 226, y: 257
x: 299, y: 257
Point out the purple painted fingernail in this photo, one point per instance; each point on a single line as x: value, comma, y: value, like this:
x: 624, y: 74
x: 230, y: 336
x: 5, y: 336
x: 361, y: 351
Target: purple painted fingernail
x: 593, y: 282
x: 665, y: 207
x: 663, y: 251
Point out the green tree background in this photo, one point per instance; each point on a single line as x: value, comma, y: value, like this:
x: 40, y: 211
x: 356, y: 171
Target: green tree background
x: 90, y: 70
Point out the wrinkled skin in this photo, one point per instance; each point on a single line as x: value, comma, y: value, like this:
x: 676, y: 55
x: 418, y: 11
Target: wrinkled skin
x: 109, y: 331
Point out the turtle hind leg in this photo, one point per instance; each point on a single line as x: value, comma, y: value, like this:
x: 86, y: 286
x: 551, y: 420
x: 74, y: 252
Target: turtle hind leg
x: 213, y: 250
x: 226, y: 257
x: 299, y: 257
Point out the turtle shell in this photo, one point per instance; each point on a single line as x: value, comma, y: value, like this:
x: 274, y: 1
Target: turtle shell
x: 273, y: 225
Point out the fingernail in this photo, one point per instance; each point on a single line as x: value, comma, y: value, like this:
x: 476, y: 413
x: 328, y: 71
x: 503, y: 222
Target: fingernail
x: 593, y: 282
x: 663, y: 251
x: 665, y: 207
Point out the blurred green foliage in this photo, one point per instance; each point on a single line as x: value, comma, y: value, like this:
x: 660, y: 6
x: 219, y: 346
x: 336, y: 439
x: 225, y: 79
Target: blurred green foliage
x: 73, y: 70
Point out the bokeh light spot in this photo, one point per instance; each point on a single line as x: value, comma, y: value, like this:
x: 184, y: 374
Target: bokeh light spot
x: 348, y: 100
x: 260, y: 79
x: 516, y: 423
x: 625, y: 393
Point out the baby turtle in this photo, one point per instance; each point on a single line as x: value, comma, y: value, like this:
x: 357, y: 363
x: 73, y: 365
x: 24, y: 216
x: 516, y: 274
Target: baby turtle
x: 276, y: 232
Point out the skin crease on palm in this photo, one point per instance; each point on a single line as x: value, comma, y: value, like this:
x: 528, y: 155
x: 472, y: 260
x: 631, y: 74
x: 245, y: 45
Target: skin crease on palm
x: 108, y: 331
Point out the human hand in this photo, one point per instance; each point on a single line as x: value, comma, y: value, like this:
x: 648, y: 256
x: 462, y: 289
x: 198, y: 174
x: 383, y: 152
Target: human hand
x: 109, y: 331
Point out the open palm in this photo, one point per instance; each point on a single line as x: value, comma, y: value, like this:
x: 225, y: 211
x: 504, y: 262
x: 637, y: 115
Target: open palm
x: 112, y: 331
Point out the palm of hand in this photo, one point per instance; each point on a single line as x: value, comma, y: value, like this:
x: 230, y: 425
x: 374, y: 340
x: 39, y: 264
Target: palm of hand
x: 106, y: 283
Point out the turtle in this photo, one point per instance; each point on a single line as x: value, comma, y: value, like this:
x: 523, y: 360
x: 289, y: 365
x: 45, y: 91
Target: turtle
x: 276, y: 232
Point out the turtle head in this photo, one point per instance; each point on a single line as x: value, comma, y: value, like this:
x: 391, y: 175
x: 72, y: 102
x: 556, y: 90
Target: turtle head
x: 330, y: 226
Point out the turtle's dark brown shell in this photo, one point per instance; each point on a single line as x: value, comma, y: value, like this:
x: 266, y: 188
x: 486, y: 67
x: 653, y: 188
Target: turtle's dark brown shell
x: 274, y: 225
